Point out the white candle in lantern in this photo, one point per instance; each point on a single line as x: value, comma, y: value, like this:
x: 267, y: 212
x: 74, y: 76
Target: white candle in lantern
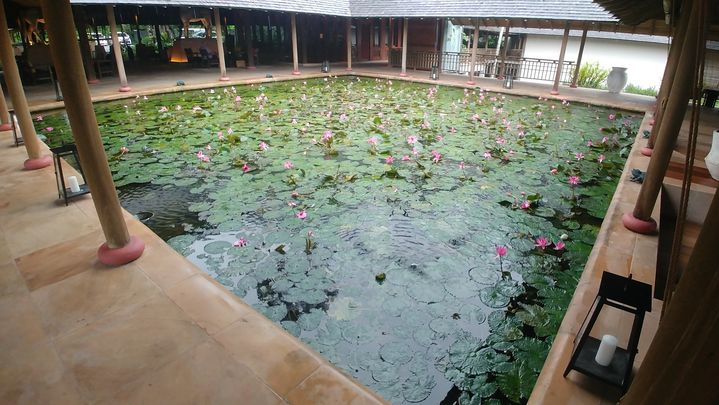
x: 606, y: 350
x: 74, y: 185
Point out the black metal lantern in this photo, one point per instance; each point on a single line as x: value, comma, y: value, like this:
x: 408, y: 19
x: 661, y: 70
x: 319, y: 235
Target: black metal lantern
x: 601, y: 357
x: 434, y: 74
x: 16, y: 134
x: 508, y: 82
x: 55, y: 84
x: 75, y: 189
x: 325, y: 66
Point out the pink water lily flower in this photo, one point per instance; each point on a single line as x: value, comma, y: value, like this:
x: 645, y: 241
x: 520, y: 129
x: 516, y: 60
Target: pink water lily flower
x: 612, y: 117
x: 501, y: 250
x: 242, y: 242
x: 553, y: 171
x: 541, y: 242
x: 573, y: 180
x: 436, y: 156
x: 264, y: 146
x: 406, y: 158
x: 525, y: 205
x: 124, y: 150
x: 49, y: 129
x: 462, y: 166
x: 288, y: 165
x: 605, y: 139
x: 245, y: 168
x: 302, y: 214
x: 291, y: 204
x: 601, y: 158
x: 238, y: 99
x: 411, y: 140
x: 220, y: 136
x: 590, y: 143
x: 389, y: 160
x: 487, y: 155
x: 163, y: 109
x: 579, y: 155
x: 206, y: 159
x: 440, y: 138
x: 200, y: 155
x: 559, y: 245
x: 372, y: 140
x: 38, y: 118
x: 327, y: 135
x: 343, y: 117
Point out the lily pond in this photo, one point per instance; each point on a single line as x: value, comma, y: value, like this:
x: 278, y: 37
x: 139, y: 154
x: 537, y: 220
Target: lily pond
x: 425, y: 239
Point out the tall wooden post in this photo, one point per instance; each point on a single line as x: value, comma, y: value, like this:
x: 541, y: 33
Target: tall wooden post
x: 81, y: 19
x: 120, y: 248
x: 560, y: 62
x: 640, y: 220
x: 158, y: 37
x: 681, y: 364
x: 5, y: 124
x: 675, y: 52
x: 405, y: 26
x: 116, y: 49
x: 220, y: 45
x: 295, y: 59
x: 248, y: 39
x: 383, y: 54
x: 503, y: 68
x: 14, y: 85
x: 473, y: 58
x: 579, y: 59
x: 348, y: 41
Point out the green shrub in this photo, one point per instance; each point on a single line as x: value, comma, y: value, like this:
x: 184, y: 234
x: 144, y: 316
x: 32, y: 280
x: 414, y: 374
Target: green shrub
x: 646, y: 91
x: 592, y: 75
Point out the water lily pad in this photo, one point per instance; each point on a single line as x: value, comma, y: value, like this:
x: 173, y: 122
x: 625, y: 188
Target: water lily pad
x: 493, y: 298
x: 217, y: 247
x: 396, y: 353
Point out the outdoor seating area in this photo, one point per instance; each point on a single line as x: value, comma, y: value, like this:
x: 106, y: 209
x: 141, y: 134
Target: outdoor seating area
x: 354, y: 202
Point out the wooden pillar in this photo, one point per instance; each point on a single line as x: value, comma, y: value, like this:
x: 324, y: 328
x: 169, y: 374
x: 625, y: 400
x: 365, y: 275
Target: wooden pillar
x: 120, y: 248
x: 116, y: 49
x: 14, y: 85
x: 248, y: 37
x: 473, y: 58
x: 305, y: 27
x: 560, y: 63
x: 295, y: 59
x: 81, y: 19
x: 220, y: 45
x: 348, y: 34
x: 383, y: 39
x: 579, y: 59
x: 681, y: 364
x: 503, y: 68
x: 405, y: 27
x: 675, y: 52
x: 640, y: 220
x: 5, y: 124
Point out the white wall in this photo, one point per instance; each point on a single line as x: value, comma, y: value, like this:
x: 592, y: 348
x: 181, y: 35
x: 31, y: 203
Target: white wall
x: 644, y: 61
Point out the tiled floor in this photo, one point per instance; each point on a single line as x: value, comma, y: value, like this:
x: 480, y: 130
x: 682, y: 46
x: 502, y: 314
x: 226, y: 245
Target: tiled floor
x: 159, y: 330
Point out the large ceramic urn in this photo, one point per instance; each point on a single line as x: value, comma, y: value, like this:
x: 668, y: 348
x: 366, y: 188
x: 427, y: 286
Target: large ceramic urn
x: 712, y: 159
x: 617, y: 79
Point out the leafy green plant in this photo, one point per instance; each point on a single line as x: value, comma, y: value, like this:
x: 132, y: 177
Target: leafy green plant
x: 645, y: 91
x: 592, y: 75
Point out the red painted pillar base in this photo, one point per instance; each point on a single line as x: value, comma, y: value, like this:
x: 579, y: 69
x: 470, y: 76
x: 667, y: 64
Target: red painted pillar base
x: 123, y: 255
x: 39, y: 163
x: 251, y: 67
x: 637, y: 225
x: 471, y: 83
x: 646, y: 151
x: 296, y: 72
x: 6, y: 127
x: 124, y: 89
x: 348, y: 69
x: 93, y: 81
x: 403, y: 74
x: 224, y: 79
x: 573, y: 86
x: 554, y: 92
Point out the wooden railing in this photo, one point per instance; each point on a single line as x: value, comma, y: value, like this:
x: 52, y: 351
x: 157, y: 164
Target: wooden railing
x: 485, y: 65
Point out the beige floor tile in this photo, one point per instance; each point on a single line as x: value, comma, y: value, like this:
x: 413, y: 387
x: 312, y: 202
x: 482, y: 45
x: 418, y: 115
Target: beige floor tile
x: 53, y: 264
x: 10, y: 280
x: 126, y: 346
x: 90, y: 295
x: 204, y: 375
x: 159, y: 261
x: 207, y: 303
x: 329, y: 386
x: 35, y: 375
x: 20, y: 325
x: 270, y: 352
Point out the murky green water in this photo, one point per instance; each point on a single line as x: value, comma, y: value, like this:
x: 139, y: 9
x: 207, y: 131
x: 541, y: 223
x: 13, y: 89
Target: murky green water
x: 368, y: 217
